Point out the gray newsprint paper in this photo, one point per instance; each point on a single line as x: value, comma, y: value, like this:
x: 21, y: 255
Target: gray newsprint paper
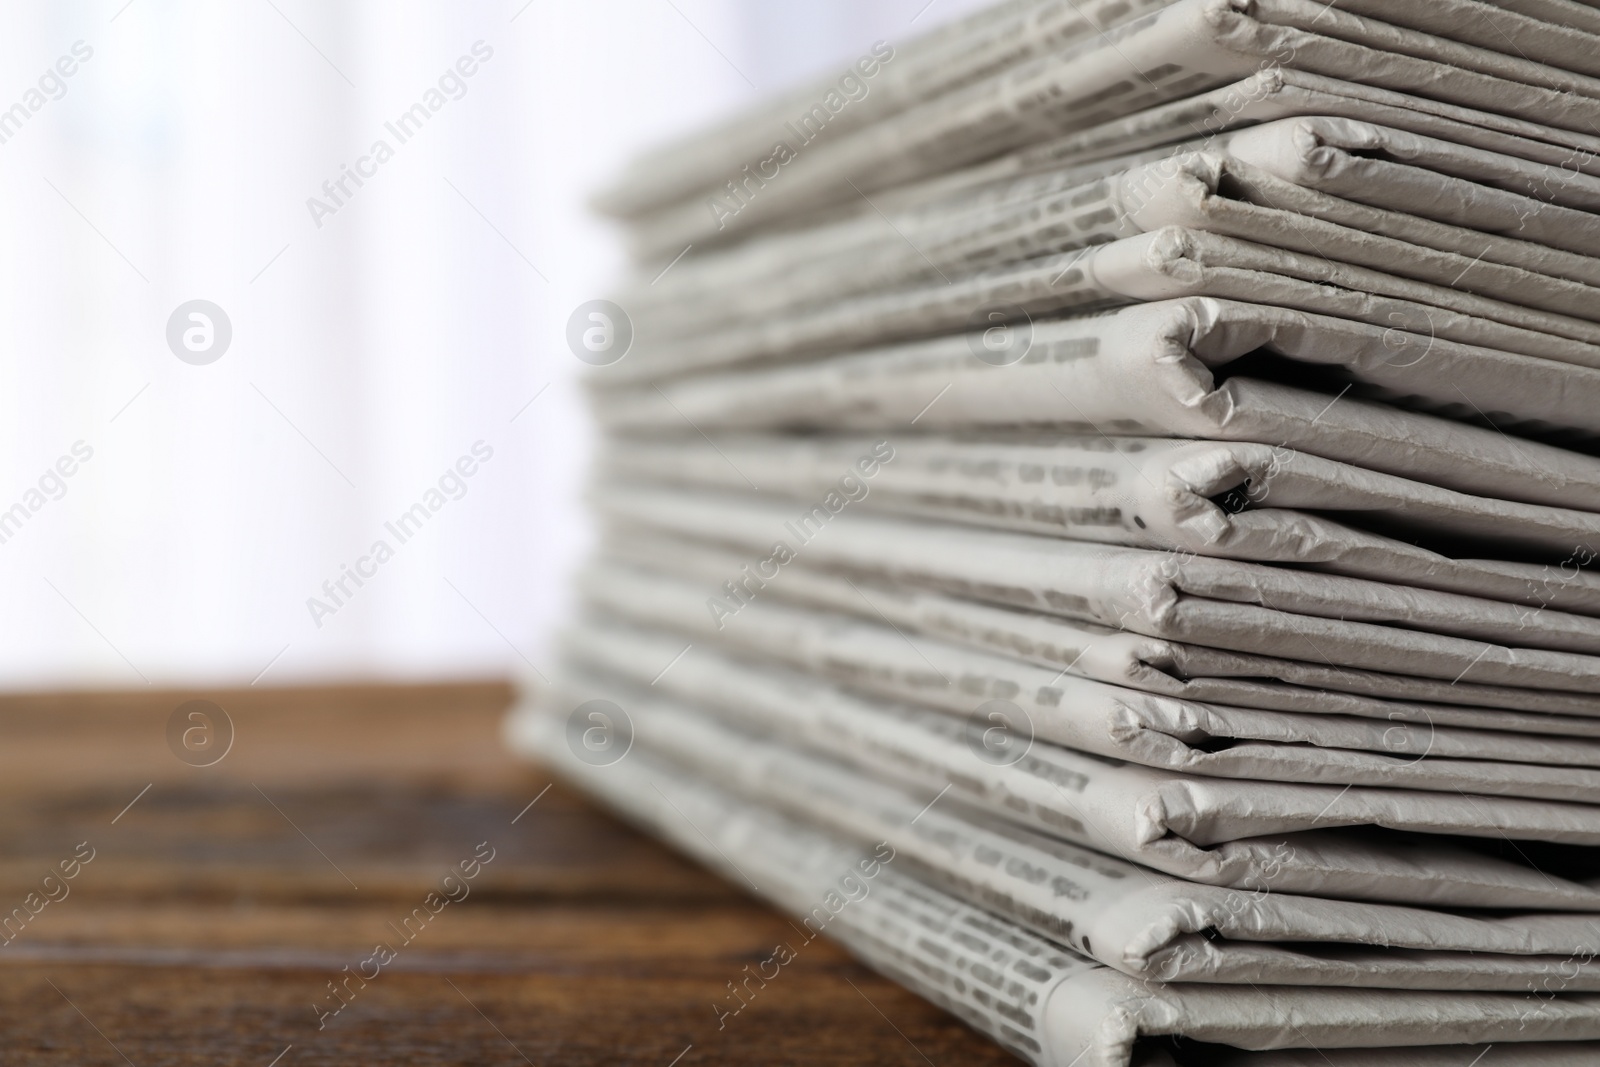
x: 1207, y: 810
x: 1345, y: 190
x: 1269, y: 95
x: 669, y: 573
x: 1546, y: 205
x: 1552, y: 32
x: 871, y: 90
x: 1140, y: 922
x: 1238, y: 501
x: 1175, y: 52
x: 1506, y: 175
x: 1225, y: 604
x: 1157, y: 731
x: 1107, y: 805
x: 1169, y: 262
x: 1207, y: 664
x: 1007, y: 34
x: 1524, y: 259
x: 1183, y: 368
x: 1048, y: 1004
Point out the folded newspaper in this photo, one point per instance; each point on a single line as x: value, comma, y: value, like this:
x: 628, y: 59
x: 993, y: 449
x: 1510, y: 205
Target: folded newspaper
x: 1233, y: 499
x: 1111, y: 655
x: 1099, y: 514
x: 1145, y: 924
x: 1357, y: 843
x: 1047, y: 1003
x: 1098, y: 64
x: 1321, y: 187
x: 1201, y: 368
x: 1157, y: 731
x: 1226, y: 604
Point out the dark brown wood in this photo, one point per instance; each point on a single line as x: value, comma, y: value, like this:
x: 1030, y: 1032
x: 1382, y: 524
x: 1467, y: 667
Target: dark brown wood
x: 219, y: 906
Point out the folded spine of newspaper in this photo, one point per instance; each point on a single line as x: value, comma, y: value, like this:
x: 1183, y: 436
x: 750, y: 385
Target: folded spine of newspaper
x: 1099, y: 514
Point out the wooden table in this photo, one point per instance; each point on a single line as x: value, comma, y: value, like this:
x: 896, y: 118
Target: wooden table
x: 221, y: 901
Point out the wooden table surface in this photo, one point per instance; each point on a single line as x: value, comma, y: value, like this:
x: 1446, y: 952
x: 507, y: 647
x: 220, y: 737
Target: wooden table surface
x: 221, y: 902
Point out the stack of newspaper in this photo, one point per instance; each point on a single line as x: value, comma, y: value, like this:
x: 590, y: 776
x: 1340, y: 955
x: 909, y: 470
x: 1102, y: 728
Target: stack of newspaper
x: 1100, y: 512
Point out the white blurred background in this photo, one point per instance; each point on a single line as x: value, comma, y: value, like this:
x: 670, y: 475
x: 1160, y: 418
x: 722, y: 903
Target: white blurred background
x: 369, y: 353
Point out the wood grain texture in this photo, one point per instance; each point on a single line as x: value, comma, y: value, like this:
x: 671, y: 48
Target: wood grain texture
x: 218, y: 907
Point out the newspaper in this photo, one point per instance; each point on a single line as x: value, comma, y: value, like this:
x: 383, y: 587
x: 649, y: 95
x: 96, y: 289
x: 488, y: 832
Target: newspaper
x: 1157, y: 731
x: 1205, y: 811
x: 1223, y: 604
x: 1546, y: 287
x: 1173, y: 369
x: 1046, y: 1003
x: 1579, y: 14
x: 1291, y: 643
x: 1169, y: 262
x: 928, y: 940
x: 1548, y: 204
x: 1231, y: 500
x: 1387, y: 216
x: 948, y: 58
x: 1546, y: 33
x: 1109, y: 806
x: 1175, y: 52
x: 1269, y: 95
x: 1272, y: 92
x: 682, y: 572
x: 1142, y: 923
x: 1460, y: 47
x: 1336, y: 155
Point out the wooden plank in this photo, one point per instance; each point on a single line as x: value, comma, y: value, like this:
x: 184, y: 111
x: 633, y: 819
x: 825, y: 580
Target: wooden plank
x: 219, y: 906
